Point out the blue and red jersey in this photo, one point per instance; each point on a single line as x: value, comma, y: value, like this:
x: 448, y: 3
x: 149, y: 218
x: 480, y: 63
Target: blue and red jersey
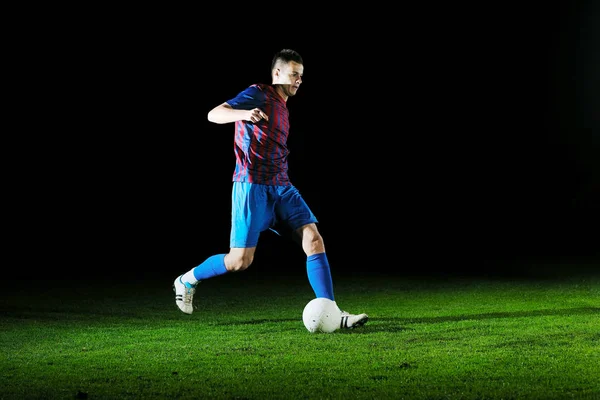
x: 261, y: 153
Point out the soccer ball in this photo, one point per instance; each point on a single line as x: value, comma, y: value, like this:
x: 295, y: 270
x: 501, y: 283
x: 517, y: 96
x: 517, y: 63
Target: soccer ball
x: 321, y: 315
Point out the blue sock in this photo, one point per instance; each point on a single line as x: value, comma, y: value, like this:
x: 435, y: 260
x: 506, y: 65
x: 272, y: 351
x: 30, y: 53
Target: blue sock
x: 211, y: 267
x: 319, y: 275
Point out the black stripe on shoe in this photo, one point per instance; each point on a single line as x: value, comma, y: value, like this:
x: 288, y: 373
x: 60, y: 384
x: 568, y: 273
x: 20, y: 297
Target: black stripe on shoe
x: 344, y: 322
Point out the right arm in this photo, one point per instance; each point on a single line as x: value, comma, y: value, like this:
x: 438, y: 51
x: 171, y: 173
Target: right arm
x: 224, y: 113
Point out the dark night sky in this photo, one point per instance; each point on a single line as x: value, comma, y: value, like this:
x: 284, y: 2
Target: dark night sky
x: 434, y: 139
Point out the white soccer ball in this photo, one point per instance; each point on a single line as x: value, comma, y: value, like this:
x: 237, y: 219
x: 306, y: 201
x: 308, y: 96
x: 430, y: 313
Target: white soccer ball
x: 321, y: 315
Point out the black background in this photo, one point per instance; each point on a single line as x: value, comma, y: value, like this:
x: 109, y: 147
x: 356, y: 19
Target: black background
x: 425, y: 140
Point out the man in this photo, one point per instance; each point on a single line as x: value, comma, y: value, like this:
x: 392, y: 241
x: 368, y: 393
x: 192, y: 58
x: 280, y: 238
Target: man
x: 263, y: 196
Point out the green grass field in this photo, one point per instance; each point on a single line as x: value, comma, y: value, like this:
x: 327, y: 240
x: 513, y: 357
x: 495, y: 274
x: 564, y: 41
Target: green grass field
x: 427, y: 338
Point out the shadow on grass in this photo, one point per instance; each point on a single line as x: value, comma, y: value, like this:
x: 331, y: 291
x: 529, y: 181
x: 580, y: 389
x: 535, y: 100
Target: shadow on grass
x: 493, y: 315
x: 399, y: 324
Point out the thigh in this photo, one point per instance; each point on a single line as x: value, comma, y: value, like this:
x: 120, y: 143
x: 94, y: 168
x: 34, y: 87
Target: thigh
x: 251, y: 213
x: 292, y: 209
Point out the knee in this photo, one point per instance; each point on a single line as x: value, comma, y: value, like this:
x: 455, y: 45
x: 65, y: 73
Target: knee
x: 237, y: 263
x: 313, y: 243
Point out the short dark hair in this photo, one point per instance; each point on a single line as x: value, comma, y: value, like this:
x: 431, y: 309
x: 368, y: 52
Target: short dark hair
x: 286, y: 55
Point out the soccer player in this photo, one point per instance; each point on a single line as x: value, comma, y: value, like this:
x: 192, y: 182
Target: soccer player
x: 262, y: 196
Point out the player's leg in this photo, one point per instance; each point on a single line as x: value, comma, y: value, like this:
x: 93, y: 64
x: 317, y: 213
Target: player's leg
x: 319, y: 272
x: 294, y: 210
x: 250, y: 210
x: 317, y: 264
x: 238, y: 259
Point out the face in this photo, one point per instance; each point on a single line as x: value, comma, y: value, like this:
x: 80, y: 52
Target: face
x: 288, y: 78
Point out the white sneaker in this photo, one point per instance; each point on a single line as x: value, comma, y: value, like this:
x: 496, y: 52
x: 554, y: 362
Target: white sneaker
x: 350, y: 321
x: 184, y: 294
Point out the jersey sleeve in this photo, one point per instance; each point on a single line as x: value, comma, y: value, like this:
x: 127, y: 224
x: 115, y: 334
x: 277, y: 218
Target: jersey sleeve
x: 249, y: 98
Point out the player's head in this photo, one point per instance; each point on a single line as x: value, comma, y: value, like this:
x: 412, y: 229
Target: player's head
x: 287, y: 69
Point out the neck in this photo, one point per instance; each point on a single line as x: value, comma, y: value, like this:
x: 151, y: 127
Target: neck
x: 280, y: 91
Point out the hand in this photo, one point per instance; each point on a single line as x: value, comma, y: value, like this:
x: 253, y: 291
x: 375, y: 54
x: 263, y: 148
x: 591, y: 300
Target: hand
x: 257, y: 114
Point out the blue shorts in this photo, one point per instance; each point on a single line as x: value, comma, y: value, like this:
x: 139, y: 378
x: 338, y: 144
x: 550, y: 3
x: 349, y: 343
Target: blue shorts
x: 256, y: 208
